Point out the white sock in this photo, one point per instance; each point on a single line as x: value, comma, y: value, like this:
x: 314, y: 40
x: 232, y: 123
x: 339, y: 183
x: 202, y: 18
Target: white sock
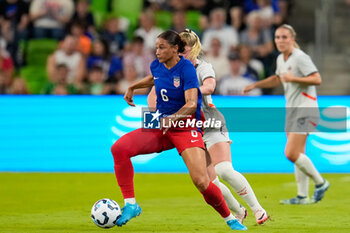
x: 302, y: 182
x: 306, y: 166
x: 231, y: 202
x: 130, y: 201
x: 239, y: 183
x: 230, y: 217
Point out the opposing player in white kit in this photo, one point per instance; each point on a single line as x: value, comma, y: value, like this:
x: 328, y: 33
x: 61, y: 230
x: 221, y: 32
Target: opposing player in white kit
x: 217, y: 140
x: 298, y: 74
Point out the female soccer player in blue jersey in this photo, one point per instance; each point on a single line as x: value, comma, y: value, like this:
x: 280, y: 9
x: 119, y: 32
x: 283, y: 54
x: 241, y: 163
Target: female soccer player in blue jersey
x: 217, y: 141
x: 179, y: 98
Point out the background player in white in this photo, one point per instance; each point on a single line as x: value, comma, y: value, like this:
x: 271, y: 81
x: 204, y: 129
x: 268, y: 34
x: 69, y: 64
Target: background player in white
x: 298, y: 74
x: 217, y: 140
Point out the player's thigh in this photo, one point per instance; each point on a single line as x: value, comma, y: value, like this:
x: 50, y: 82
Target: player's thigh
x: 142, y: 141
x: 295, y: 145
x: 189, y: 143
x: 220, y: 152
x: 183, y: 139
x: 213, y: 136
x: 194, y: 158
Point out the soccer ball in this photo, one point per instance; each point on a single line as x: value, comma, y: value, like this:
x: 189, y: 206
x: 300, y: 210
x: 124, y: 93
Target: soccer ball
x: 105, y: 213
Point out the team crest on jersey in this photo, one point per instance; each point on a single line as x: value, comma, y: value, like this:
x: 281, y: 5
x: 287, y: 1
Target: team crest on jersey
x: 176, y: 81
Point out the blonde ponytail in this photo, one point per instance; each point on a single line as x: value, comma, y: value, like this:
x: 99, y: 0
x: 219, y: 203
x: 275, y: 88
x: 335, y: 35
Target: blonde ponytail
x: 191, y: 39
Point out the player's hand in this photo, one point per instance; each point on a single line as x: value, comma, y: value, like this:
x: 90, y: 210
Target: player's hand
x: 287, y: 77
x: 248, y: 89
x: 128, y: 97
x: 165, y: 124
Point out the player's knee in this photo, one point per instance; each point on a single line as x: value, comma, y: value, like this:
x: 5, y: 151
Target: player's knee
x: 115, y: 149
x: 224, y: 169
x: 291, y: 155
x: 201, y: 182
x: 118, y: 150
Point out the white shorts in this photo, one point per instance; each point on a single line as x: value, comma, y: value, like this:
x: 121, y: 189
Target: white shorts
x: 301, y: 125
x: 213, y: 136
x: 301, y: 120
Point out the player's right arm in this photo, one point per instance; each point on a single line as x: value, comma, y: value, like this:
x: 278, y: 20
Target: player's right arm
x: 270, y: 82
x: 152, y: 99
x: 143, y: 83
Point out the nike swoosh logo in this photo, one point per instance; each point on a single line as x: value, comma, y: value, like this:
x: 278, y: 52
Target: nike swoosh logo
x: 194, y: 141
x: 155, y: 78
x: 261, y: 216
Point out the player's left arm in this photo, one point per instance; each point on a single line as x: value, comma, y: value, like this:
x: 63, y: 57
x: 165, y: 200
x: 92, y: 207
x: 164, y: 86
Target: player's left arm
x: 190, y: 88
x: 208, y: 86
x: 191, y: 98
x: 311, y: 79
x: 310, y: 74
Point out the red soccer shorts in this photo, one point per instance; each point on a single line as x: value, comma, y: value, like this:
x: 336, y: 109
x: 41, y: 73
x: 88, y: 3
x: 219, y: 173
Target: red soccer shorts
x: 146, y: 141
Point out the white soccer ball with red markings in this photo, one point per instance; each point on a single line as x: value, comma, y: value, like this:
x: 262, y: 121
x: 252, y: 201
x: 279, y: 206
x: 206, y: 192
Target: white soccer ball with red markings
x: 105, y: 213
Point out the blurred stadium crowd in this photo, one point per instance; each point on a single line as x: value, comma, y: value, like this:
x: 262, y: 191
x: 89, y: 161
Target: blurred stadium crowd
x: 101, y: 46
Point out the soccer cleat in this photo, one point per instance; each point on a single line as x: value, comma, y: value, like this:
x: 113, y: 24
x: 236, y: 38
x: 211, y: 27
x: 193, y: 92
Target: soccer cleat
x: 261, y: 216
x: 242, y: 216
x: 129, y: 211
x: 234, y: 224
x: 296, y: 201
x: 319, y: 192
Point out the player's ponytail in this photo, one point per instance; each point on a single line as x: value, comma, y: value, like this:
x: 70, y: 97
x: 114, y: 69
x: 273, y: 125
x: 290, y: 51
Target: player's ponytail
x: 173, y: 38
x: 292, y: 32
x: 192, y: 40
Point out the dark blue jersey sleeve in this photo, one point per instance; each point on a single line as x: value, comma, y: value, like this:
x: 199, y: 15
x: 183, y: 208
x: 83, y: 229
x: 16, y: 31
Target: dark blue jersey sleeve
x: 190, y: 76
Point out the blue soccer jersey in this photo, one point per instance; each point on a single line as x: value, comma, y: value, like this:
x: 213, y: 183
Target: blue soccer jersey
x: 171, y: 84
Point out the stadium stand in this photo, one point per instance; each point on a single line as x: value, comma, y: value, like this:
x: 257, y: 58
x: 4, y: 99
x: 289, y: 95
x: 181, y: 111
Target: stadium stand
x: 319, y: 35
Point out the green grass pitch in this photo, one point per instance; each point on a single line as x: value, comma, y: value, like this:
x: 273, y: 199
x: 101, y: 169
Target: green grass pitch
x: 61, y: 202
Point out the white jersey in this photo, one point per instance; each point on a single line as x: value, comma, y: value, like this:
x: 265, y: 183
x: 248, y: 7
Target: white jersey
x: 71, y: 61
x: 300, y: 65
x: 204, y: 71
x: 234, y: 85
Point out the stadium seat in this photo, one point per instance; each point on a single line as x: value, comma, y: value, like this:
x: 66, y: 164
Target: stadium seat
x: 99, y: 9
x: 192, y: 20
x: 38, y: 50
x: 164, y: 19
x: 99, y: 6
x: 129, y: 9
x: 99, y: 17
x: 35, y: 77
